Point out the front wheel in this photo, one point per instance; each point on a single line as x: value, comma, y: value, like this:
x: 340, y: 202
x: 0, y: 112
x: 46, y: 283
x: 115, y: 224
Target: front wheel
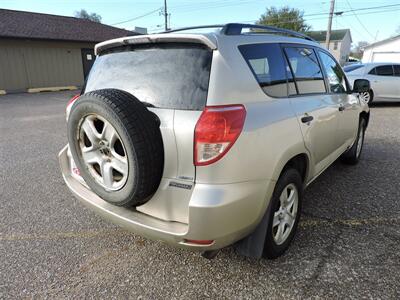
x: 285, y: 213
x: 352, y: 156
x: 367, y: 96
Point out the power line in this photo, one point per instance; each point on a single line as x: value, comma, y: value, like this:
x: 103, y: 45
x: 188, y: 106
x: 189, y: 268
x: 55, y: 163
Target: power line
x: 358, y: 19
x: 340, y: 13
x: 283, y: 21
x: 139, y: 17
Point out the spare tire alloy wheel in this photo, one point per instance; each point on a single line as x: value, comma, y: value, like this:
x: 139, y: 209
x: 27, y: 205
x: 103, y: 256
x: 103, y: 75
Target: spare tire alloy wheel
x: 116, y: 144
x: 103, y: 152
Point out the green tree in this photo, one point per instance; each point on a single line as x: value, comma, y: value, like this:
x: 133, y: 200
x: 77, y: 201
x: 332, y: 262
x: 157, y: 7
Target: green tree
x: 83, y: 14
x: 358, y: 49
x: 285, y: 17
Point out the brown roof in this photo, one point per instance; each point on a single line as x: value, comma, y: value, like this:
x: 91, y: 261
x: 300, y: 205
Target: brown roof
x: 28, y: 25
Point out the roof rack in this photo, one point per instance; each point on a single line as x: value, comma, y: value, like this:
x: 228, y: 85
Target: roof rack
x: 237, y: 28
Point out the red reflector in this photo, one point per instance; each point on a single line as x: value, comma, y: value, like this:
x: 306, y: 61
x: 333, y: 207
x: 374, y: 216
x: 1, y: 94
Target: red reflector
x: 76, y: 171
x: 200, y: 242
x: 73, y: 99
x: 69, y: 105
x: 216, y: 131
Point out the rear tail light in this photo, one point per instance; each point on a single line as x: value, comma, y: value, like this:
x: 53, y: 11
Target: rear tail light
x: 216, y: 131
x: 69, y: 105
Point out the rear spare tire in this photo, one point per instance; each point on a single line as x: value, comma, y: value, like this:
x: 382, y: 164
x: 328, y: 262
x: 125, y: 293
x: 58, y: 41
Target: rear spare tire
x: 116, y: 144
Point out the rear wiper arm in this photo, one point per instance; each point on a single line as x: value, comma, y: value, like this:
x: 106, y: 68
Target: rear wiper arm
x: 147, y: 104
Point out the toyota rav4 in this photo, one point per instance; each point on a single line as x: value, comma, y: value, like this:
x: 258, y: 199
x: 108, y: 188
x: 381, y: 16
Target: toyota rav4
x: 203, y: 140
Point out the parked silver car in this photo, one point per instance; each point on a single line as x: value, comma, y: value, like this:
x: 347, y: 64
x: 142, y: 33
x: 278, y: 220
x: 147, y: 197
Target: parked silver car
x: 383, y: 77
x: 205, y: 140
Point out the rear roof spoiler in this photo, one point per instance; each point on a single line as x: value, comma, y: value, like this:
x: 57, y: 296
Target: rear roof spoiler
x: 157, y: 38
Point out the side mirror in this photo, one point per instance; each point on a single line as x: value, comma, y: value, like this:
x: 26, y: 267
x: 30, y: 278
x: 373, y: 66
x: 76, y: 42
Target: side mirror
x: 361, y: 86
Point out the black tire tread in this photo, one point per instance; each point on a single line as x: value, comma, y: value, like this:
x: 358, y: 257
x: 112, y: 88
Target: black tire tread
x: 141, y: 126
x: 350, y: 157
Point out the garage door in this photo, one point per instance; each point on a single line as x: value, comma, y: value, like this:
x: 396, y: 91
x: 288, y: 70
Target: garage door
x: 386, y: 57
x: 27, y: 67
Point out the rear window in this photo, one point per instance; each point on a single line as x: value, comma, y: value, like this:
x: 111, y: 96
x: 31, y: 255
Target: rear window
x: 174, y: 76
x: 352, y: 68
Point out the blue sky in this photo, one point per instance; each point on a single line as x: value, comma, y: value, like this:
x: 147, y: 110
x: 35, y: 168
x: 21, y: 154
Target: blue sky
x: 365, y: 24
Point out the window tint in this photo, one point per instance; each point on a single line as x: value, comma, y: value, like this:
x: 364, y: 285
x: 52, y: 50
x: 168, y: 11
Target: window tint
x: 352, y: 68
x: 266, y: 62
x: 164, y: 75
x: 335, y: 75
x: 386, y: 70
x: 396, y: 70
x: 372, y: 72
x: 306, y: 70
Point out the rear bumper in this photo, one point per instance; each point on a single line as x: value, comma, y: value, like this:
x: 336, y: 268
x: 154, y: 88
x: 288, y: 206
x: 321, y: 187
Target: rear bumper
x: 222, y: 213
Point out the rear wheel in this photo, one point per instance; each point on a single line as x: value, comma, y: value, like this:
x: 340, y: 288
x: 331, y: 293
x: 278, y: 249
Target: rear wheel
x: 285, y: 213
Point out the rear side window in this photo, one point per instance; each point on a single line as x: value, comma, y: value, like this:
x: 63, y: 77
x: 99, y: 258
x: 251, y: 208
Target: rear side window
x: 396, y: 69
x: 386, y: 70
x: 306, y: 70
x: 174, y: 76
x: 267, y: 64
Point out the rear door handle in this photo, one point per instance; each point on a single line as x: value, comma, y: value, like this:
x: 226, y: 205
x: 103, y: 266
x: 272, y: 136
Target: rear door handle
x: 307, y: 119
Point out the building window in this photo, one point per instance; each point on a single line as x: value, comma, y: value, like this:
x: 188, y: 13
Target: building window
x: 335, y: 45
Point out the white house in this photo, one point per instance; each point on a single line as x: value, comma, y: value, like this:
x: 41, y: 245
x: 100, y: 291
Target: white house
x: 339, y: 45
x: 384, y: 51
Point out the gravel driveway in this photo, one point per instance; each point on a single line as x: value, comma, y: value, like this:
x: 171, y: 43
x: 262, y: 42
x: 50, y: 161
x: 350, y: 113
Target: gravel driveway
x: 348, y: 244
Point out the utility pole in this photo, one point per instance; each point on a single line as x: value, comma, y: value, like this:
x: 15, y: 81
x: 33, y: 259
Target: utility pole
x: 328, y: 32
x: 166, y: 15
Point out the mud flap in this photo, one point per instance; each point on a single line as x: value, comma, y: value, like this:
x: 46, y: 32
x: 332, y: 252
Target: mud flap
x: 253, y: 244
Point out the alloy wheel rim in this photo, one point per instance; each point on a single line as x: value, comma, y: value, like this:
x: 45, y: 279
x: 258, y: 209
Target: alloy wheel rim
x: 285, y: 215
x: 365, y: 96
x: 103, y: 152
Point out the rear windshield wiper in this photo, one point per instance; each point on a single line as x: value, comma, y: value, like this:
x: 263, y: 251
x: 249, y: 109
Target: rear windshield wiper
x: 147, y: 104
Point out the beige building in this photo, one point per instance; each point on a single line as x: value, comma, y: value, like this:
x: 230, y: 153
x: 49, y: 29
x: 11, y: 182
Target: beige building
x: 340, y: 43
x: 41, y: 51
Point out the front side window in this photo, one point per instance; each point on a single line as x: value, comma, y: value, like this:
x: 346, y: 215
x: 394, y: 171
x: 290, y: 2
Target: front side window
x: 267, y: 64
x: 334, y: 73
x: 306, y: 70
x: 386, y: 70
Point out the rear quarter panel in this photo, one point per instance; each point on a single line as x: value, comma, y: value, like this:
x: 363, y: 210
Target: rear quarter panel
x: 270, y: 138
